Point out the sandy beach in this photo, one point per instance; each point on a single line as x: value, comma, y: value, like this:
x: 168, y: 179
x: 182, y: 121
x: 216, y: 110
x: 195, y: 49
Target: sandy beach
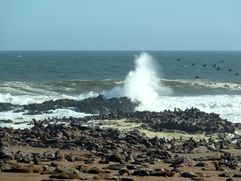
x: 110, y: 151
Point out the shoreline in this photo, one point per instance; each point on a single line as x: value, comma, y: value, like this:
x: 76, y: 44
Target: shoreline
x: 116, y: 150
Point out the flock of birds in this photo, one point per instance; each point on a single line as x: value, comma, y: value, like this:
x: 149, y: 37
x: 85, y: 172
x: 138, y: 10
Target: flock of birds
x: 215, y: 66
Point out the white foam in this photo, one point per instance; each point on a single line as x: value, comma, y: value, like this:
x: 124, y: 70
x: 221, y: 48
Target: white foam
x: 206, y: 83
x: 228, y: 106
x: 142, y: 84
x: 87, y: 95
x: 29, y: 99
x: 22, y: 119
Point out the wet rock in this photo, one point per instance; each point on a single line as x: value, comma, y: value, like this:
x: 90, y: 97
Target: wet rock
x: 95, y: 105
x: 7, y: 107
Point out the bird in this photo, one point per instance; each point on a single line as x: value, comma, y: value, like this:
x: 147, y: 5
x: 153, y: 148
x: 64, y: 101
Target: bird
x: 193, y: 64
x: 178, y: 59
x: 197, y: 77
x: 204, y: 65
x: 214, y: 65
x: 218, y: 68
x: 230, y: 70
x: 236, y: 73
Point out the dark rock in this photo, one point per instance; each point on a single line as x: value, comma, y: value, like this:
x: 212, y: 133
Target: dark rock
x: 96, y: 105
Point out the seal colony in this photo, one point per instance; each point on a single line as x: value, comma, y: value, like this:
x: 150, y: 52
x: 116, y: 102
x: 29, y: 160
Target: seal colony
x: 116, y: 144
x: 122, y: 138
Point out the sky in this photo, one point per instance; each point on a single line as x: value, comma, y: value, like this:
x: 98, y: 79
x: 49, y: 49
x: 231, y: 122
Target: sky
x: 120, y: 25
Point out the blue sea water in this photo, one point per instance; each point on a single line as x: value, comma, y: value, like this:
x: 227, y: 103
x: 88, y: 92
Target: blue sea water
x: 209, y: 80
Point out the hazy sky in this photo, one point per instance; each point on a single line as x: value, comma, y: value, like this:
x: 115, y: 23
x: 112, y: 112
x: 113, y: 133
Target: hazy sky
x: 120, y: 25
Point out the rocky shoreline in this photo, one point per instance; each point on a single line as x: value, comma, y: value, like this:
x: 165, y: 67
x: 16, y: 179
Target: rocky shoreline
x: 73, y: 151
x: 81, y: 149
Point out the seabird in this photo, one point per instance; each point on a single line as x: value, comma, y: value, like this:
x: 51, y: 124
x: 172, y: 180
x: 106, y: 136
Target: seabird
x: 236, y: 73
x: 218, y: 68
x: 230, y: 70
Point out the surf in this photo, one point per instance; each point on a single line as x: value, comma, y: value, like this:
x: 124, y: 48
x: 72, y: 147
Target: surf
x: 142, y: 85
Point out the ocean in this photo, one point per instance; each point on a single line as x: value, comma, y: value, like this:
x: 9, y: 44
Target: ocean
x: 159, y: 80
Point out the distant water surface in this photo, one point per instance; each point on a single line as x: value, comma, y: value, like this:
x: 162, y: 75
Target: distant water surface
x: 208, y: 80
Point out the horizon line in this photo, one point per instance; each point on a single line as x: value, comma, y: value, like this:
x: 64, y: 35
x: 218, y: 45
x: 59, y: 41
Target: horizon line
x: 115, y: 50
